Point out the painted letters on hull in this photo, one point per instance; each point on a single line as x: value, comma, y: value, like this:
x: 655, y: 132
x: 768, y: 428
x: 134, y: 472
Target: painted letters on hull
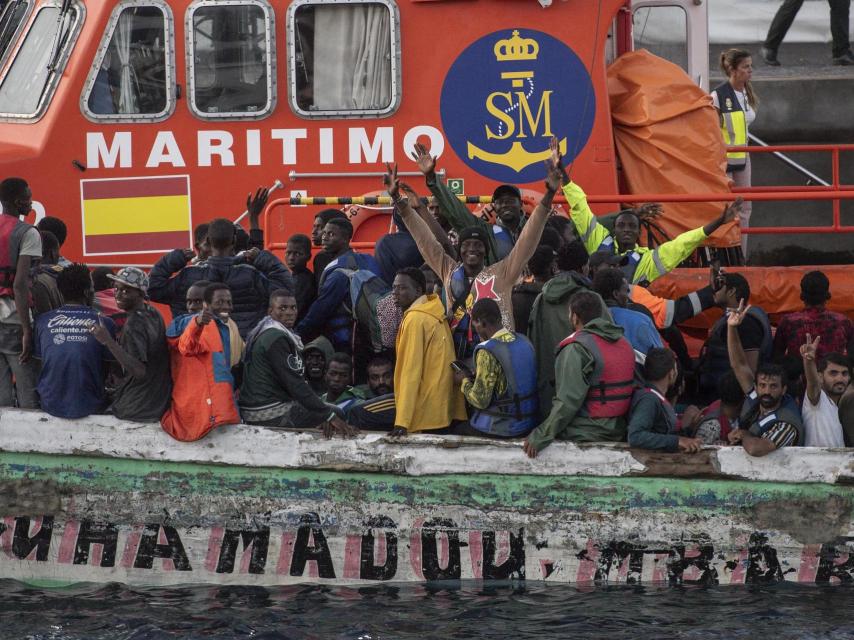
x: 44, y: 548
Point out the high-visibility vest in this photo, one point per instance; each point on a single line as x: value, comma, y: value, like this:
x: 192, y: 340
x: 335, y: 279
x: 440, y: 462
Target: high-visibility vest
x: 733, y: 126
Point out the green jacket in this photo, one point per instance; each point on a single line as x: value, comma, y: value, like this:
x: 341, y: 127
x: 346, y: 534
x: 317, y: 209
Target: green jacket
x: 573, y: 368
x: 548, y: 324
x: 460, y: 217
x: 273, y: 373
x: 653, y: 262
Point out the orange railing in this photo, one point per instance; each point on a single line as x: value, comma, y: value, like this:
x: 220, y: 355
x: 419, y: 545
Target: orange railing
x: 835, y: 192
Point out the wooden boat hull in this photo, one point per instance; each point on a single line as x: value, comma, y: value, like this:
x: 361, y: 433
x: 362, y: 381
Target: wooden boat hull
x: 141, y: 519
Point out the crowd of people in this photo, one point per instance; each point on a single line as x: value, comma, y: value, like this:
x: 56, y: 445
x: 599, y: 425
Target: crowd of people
x: 537, y: 328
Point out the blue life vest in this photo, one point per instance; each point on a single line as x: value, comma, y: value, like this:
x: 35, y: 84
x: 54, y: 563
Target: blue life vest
x: 630, y: 260
x: 503, y: 242
x: 516, y: 411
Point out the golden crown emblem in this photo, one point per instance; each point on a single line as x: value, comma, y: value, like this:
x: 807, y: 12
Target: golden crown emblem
x: 516, y: 48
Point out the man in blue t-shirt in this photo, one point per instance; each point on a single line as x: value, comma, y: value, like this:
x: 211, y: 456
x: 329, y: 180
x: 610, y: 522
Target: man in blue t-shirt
x: 71, y: 383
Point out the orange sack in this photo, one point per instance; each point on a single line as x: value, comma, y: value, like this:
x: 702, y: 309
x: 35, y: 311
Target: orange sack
x: 668, y: 141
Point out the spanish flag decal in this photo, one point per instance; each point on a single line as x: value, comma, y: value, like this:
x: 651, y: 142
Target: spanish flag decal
x: 135, y: 215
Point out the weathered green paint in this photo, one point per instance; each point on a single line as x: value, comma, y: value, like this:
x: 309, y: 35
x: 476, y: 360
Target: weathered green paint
x: 79, y: 474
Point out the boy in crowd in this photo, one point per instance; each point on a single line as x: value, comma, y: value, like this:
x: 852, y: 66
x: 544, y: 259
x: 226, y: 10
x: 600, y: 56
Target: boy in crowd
x: 297, y: 254
x: 24, y: 246
x: 770, y: 419
x: 594, y: 374
x: 249, y: 284
x: 142, y: 393
x: 205, y: 348
x: 827, y: 381
x: 835, y: 329
x: 652, y: 421
x: 426, y: 397
x: 638, y: 328
x: 317, y: 354
x: 339, y: 378
x: 45, y: 293
x: 58, y: 228
x: 503, y: 390
x: 274, y: 392
x: 71, y: 383
x: 329, y: 314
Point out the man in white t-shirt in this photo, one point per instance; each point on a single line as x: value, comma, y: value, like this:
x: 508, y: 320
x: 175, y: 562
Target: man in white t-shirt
x: 825, y: 385
x: 20, y: 244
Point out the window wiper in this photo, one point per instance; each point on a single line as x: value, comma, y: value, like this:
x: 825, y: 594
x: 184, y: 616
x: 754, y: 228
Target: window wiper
x: 62, y: 28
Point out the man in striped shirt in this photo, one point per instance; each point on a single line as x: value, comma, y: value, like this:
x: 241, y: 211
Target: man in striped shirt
x: 770, y: 419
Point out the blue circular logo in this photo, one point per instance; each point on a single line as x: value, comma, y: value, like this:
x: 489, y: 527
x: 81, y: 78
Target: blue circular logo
x: 507, y: 94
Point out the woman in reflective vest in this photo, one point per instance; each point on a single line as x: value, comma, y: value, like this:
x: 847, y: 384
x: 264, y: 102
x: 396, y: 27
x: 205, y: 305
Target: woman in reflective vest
x: 736, y: 103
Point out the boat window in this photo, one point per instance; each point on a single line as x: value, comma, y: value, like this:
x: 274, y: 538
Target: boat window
x: 662, y: 30
x: 35, y: 71
x: 230, y: 63
x: 10, y: 22
x: 132, y: 77
x: 344, y: 58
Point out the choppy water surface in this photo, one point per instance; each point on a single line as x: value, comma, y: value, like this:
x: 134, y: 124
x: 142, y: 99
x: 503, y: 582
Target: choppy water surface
x: 93, y: 612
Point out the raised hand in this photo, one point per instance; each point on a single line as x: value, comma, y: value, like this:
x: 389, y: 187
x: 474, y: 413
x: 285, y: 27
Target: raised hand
x: 554, y: 148
x: 809, y: 350
x: 735, y: 317
x: 426, y: 163
x: 554, y: 176
x: 99, y: 331
x: 732, y: 210
x: 649, y: 210
x: 391, y: 181
x: 255, y: 204
x: 204, y: 317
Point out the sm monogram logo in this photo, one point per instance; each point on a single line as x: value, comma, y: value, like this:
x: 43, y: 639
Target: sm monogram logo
x: 505, y: 97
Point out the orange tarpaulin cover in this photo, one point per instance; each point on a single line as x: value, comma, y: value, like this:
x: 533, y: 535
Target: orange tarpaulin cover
x: 776, y: 289
x: 668, y: 140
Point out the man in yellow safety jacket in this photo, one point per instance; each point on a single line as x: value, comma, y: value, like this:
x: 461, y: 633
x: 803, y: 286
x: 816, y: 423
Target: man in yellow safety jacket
x: 640, y: 264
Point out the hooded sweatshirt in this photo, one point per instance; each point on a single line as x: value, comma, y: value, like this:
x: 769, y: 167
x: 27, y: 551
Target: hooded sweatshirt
x: 425, y: 394
x: 549, y: 324
x: 573, y: 368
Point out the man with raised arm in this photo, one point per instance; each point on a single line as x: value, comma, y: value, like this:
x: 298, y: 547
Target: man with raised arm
x: 770, y: 419
x: 506, y: 201
x: 827, y: 381
x: 470, y: 279
x: 641, y: 264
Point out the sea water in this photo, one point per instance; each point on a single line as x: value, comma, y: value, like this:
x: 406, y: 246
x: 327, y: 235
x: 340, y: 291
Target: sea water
x: 404, y: 611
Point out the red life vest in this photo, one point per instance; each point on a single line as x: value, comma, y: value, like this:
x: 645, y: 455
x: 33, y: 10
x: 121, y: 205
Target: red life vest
x: 612, y: 383
x: 12, y: 230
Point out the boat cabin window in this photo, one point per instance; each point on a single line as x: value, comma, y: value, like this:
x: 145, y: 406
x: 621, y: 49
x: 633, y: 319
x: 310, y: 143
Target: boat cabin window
x: 662, y: 30
x: 132, y: 77
x: 11, y: 19
x: 35, y: 71
x: 344, y: 58
x: 230, y: 64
